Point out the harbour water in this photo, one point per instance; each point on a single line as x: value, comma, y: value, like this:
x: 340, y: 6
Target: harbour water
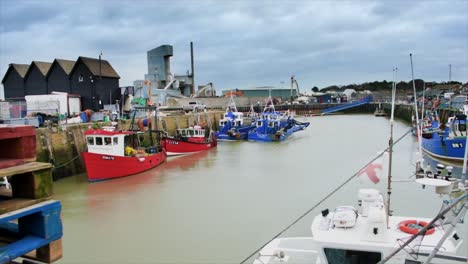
x: 219, y: 206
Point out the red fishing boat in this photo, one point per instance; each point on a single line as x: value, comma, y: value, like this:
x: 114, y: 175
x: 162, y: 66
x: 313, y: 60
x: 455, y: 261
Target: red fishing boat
x: 112, y: 154
x: 189, y: 140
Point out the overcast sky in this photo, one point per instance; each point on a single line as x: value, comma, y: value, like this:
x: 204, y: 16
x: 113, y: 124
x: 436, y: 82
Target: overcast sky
x: 247, y: 43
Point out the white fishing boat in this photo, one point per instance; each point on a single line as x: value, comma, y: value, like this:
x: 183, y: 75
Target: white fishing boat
x: 363, y: 235
x: 369, y: 233
x: 379, y: 111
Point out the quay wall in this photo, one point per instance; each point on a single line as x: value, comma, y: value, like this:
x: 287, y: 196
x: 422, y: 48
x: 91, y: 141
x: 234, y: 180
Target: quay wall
x: 402, y: 111
x: 62, y: 145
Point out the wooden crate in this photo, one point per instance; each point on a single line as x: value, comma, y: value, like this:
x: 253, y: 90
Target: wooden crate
x: 17, y: 142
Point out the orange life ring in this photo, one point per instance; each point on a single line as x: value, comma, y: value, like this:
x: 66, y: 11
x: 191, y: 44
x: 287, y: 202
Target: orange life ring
x: 404, y: 226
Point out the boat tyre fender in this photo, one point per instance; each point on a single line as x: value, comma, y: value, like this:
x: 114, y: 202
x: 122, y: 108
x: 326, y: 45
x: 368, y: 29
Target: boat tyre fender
x: 413, y: 227
x: 144, y: 122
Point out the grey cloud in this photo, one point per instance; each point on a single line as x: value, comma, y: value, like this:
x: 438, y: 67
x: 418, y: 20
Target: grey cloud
x: 245, y: 43
x: 18, y: 16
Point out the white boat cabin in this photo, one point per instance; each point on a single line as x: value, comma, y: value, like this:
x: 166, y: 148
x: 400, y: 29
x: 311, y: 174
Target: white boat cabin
x: 269, y: 123
x: 236, y: 119
x: 457, y: 126
x: 107, y: 142
x: 196, y: 131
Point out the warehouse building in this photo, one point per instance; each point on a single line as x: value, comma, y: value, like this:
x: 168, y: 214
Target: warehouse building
x: 264, y: 91
x: 95, y: 80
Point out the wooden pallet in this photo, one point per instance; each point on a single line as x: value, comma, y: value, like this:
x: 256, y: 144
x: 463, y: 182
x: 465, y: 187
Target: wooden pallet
x: 31, y: 183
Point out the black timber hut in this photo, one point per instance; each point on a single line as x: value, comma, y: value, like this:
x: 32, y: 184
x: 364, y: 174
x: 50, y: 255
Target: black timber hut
x: 13, y: 81
x: 96, y: 81
x: 35, y: 78
x: 58, y: 77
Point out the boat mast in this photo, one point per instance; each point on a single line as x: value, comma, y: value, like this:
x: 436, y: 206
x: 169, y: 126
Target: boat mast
x: 422, y: 106
x: 232, y: 104
x: 416, y: 107
x: 465, y: 159
x: 390, y: 147
x: 269, y: 100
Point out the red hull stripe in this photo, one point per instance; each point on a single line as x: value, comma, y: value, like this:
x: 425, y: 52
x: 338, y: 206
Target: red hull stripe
x: 180, y: 147
x: 103, y: 167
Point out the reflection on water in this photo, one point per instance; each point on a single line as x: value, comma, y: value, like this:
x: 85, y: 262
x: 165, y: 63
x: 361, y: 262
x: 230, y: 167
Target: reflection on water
x: 433, y: 161
x: 189, y: 161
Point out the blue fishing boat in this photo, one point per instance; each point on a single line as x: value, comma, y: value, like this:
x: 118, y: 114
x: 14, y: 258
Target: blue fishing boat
x: 232, y: 126
x: 448, y: 141
x: 275, y: 126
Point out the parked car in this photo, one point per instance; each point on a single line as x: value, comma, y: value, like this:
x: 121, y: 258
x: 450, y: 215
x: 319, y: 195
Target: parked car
x: 194, y: 106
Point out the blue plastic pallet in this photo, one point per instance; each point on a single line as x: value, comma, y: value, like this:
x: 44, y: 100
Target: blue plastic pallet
x: 37, y: 226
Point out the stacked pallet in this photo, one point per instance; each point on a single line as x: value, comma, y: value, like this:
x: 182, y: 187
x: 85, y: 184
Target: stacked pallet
x: 30, y: 223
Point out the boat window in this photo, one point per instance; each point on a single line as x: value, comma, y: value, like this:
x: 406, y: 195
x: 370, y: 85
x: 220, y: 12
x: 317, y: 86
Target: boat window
x: 462, y: 127
x: 90, y: 140
x: 190, y: 132
x: 271, y: 124
x: 238, y: 123
x: 116, y: 140
x: 344, y: 256
x: 107, y: 140
x: 259, y: 123
x: 99, y: 141
x: 183, y: 133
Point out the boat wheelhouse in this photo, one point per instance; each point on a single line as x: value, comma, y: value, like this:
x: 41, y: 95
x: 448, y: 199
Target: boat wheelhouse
x: 448, y: 141
x: 274, y: 126
x: 113, y: 154
x: 189, y: 140
x: 232, y: 126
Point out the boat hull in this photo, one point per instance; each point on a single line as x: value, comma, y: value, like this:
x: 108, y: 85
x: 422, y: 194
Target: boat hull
x: 451, y: 149
x: 236, y: 137
x: 276, y: 136
x: 104, y: 167
x: 236, y: 134
x: 269, y: 137
x: 176, y: 147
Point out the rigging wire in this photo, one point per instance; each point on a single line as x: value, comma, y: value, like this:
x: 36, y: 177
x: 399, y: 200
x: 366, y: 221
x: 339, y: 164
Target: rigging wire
x: 423, y: 230
x: 327, y: 196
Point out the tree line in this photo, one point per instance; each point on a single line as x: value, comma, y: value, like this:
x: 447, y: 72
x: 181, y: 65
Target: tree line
x: 384, y: 86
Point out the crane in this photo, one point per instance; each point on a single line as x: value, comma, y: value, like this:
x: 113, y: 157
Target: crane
x: 204, y: 90
x: 294, y: 81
